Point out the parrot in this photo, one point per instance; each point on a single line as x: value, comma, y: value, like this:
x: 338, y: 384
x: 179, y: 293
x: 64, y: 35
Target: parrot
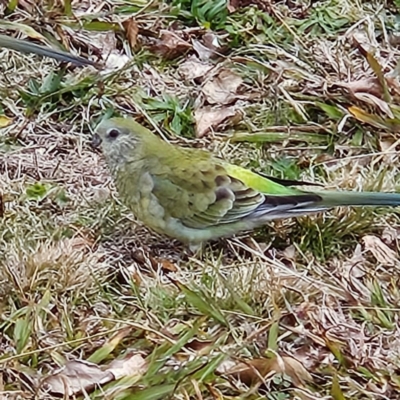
x: 25, y: 46
x: 193, y: 196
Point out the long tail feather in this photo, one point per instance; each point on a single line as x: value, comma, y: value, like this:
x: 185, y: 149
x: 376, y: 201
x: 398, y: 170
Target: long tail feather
x: 28, y: 47
x: 277, y: 207
x: 338, y: 199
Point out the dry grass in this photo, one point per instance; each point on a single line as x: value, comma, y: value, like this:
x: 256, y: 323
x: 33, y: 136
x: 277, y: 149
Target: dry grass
x: 316, y: 299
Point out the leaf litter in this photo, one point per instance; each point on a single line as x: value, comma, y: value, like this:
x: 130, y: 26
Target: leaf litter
x: 79, y: 376
x: 170, y: 45
x: 222, y: 88
x: 208, y: 118
x: 260, y: 369
x: 195, y: 69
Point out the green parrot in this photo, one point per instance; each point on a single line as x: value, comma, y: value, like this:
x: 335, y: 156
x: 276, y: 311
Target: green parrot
x: 24, y: 46
x: 193, y: 196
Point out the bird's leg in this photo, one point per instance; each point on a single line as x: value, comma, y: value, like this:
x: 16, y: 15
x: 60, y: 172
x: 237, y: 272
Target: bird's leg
x: 196, y: 250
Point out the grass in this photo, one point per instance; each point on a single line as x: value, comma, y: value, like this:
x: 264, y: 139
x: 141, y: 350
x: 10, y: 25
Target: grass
x: 304, y: 308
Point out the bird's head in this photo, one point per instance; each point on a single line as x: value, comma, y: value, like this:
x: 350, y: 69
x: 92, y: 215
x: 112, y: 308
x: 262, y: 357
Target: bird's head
x: 120, y: 139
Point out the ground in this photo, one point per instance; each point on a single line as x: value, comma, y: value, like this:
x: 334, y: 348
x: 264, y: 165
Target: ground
x: 304, y: 308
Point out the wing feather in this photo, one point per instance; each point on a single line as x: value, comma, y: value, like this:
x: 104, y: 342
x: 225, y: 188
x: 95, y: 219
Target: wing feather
x: 206, y: 192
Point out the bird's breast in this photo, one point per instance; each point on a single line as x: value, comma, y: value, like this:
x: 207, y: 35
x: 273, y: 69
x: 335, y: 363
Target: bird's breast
x: 136, y: 192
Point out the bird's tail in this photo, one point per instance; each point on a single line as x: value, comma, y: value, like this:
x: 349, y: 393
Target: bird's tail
x: 304, y: 203
x: 25, y: 46
x: 338, y: 199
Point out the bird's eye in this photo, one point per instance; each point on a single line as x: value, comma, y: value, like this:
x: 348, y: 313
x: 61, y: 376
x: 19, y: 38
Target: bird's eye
x: 113, y: 133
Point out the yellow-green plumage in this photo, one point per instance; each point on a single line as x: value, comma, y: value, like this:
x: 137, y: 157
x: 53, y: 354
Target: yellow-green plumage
x: 190, y: 195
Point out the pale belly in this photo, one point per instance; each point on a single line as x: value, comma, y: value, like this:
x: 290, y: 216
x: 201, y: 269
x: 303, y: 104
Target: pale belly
x: 146, y: 207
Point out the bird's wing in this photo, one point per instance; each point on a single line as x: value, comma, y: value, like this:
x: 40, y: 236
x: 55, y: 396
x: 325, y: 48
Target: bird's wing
x: 202, y: 191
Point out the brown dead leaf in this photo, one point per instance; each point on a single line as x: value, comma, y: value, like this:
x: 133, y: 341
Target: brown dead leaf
x: 222, y: 89
x: 105, y: 44
x: 381, y: 252
x: 259, y: 369
x: 375, y: 120
x: 170, y: 45
x: 295, y: 370
x: 202, y: 51
x: 362, y: 41
x: 368, y: 85
x: 167, y: 266
x: 367, y: 50
x: 79, y: 376
x: 208, y: 118
x: 144, y: 258
x: 233, y: 5
x: 200, y: 346
x: 194, y: 69
x: 76, y: 376
x: 363, y: 89
x: 212, y: 41
x: 209, y: 47
x: 132, y: 365
x: 375, y: 101
x: 131, y: 30
x: 147, y: 259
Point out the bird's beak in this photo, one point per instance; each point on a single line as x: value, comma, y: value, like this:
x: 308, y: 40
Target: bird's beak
x: 96, y: 140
